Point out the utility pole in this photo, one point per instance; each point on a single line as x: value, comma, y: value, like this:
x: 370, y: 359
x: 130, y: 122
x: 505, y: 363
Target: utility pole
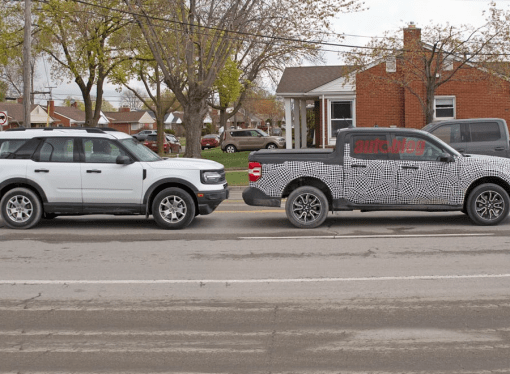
x: 27, y: 41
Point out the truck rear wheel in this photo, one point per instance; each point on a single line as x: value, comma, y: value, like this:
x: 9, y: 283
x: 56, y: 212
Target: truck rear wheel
x: 307, y: 207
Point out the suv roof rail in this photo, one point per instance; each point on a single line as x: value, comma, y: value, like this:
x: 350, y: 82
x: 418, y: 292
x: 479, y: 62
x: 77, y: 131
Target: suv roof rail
x: 87, y: 129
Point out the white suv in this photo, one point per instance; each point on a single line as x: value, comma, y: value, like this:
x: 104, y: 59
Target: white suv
x: 50, y: 172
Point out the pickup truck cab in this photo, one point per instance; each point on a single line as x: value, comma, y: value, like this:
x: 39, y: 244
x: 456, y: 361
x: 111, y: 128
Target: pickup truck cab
x: 482, y: 136
x: 379, y: 169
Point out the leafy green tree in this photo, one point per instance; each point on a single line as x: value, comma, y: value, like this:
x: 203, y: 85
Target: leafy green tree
x: 229, y: 89
x: 85, y: 41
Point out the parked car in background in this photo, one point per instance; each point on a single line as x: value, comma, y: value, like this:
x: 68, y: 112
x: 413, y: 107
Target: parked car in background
x: 152, y: 143
x: 483, y: 136
x: 249, y: 140
x: 142, y: 135
x: 210, y: 141
x: 175, y: 144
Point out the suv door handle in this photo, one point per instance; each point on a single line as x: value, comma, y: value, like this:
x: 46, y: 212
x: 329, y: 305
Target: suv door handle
x: 358, y: 166
x: 410, y: 167
x: 460, y: 149
x: 94, y: 171
x: 41, y: 170
x: 499, y: 148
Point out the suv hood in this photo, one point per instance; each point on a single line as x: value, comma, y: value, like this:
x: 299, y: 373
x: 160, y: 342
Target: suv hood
x: 186, y: 163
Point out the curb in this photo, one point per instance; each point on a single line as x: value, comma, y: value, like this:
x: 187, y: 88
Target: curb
x: 237, y: 188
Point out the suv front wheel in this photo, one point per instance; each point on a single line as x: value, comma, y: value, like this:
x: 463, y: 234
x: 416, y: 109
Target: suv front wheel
x: 173, y: 208
x: 21, y: 208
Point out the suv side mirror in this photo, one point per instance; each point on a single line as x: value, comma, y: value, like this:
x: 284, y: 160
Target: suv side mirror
x: 445, y: 157
x: 123, y: 160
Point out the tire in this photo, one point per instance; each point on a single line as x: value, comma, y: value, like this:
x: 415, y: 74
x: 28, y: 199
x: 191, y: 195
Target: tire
x: 230, y: 149
x: 488, y: 204
x: 21, y: 208
x: 271, y: 146
x: 307, y: 207
x: 173, y: 209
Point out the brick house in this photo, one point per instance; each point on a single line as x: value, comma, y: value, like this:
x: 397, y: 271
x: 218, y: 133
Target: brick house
x: 130, y: 122
x: 344, y: 97
x: 15, y: 113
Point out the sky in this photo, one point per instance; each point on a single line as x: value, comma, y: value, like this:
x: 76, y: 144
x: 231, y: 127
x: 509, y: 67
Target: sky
x: 380, y: 16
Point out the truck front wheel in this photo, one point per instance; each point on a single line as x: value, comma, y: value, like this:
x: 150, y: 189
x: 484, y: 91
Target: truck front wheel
x: 307, y: 207
x: 488, y: 204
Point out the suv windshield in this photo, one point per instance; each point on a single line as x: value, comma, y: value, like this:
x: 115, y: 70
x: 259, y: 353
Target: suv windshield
x: 142, y: 152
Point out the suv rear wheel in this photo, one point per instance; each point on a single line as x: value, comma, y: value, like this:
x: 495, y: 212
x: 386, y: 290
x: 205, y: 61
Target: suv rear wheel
x: 230, y: 148
x: 21, y: 208
x: 271, y: 146
x: 173, y: 208
x: 488, y: 204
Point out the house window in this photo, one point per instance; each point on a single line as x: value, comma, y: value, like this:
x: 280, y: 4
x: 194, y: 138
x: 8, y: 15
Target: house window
x: 391, y: 65
x: 341, y: 116
x: 444, y: 107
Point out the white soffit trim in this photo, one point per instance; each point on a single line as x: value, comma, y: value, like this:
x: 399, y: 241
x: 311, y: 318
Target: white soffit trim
x: 341, y: 84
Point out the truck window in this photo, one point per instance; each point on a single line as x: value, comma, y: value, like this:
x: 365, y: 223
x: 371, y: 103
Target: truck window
x: 484, y: 131
x: 370, y: 147
x: 449, y: 133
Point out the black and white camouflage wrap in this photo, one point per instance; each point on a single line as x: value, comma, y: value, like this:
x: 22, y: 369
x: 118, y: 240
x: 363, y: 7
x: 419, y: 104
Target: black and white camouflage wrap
x: 388, y: 181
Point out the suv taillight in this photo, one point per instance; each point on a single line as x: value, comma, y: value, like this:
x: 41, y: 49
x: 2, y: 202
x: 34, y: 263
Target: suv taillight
x: 254, y: 171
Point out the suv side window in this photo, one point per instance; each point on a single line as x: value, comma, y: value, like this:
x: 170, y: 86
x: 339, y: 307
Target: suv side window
x: 9, y: 146
x: 370, y: 147
x: 57, y: 150
x: 484, y: 131
x: 99, y: 150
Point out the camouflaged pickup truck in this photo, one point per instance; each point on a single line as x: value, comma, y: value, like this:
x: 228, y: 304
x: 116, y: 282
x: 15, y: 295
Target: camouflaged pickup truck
x: 377, y: 169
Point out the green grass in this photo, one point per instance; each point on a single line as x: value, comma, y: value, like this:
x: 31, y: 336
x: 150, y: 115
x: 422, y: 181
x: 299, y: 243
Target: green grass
x: 231, y: 161
x: 237, y: 178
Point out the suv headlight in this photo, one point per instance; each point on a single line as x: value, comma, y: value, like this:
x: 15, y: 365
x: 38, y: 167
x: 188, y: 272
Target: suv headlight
x: 212, y: 176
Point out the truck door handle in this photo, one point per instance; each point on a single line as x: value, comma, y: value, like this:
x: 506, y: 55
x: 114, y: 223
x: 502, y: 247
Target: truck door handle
x: 358, y: 166
x: 410, y: 167
x: 41, y: 170
x: 94, y: 171
x: 499, y: 148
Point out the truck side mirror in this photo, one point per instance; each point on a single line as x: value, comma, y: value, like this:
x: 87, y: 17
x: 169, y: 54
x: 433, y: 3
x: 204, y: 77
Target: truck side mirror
x: 445, y: 157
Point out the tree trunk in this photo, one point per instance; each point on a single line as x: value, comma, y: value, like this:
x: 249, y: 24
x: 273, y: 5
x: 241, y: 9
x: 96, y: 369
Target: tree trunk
x: 429, y: 104
x: 223, y: 118
x: 193, y: 118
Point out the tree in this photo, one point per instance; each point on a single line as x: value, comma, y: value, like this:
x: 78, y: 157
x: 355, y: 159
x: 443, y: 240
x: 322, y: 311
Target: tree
x: 264, y: 104
x: 85, y: 41
x: 131, y: 100
x: 425, y: 59
x: 229, y: 89
x: 192, y: 40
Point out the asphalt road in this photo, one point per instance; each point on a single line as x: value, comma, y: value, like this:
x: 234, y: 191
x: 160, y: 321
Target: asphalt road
x: 241, y: 290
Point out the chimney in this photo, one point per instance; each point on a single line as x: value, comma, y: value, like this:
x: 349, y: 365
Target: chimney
x: 74, y: 104
x: 412, y: 37
x: 20, y: 100
x: 124, y: 109
x: 51, y: 108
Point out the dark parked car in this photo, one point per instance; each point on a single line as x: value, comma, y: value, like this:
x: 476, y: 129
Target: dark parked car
x: 482, y: 136
x: 210, y: 141
x: 152, y: 143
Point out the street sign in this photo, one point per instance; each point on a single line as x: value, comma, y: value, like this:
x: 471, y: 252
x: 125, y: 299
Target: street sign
x: 4, y: 120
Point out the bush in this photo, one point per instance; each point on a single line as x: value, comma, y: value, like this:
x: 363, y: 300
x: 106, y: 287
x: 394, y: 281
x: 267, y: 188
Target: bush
x: 170, y: 131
